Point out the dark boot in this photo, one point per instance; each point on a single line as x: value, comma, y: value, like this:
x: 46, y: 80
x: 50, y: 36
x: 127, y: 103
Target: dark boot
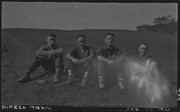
x: 101, y: 82
x: 69, y: 80
x: 24, y: 79
x: 84, y: 80
x: 120, y: 79
x: 56, y: 76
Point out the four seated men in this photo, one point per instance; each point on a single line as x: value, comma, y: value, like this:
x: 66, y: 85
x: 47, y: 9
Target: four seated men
x: 80, y: 60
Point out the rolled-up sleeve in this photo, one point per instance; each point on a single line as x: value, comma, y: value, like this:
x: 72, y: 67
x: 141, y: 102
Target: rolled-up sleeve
x: 118, y: 52
x: 92, y: 52
x: 99, y: 52
x: 72, y: 51
x: 40, y: 52
x: 57, y: 52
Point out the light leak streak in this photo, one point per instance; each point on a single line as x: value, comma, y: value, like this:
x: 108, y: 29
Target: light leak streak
x: 147, y: 75
x: 150, y: 86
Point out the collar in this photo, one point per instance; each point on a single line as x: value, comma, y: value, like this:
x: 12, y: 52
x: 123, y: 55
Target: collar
x: 108, y: 47
x: 51, y: 47
x: 81, y: 48
x: 146, y: 55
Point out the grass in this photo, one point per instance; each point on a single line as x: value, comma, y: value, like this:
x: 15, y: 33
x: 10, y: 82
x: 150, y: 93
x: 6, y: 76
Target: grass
x: 162, y: 47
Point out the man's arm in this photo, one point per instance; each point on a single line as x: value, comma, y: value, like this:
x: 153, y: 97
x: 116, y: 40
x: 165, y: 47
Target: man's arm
x: 56, y: 53
x: 41, y: 52
x: 118, y: 52
x: 157, y: 62
x: 74, y: 60
x: 101, y: 58
x: 70, y: 55
x: 92, y: 54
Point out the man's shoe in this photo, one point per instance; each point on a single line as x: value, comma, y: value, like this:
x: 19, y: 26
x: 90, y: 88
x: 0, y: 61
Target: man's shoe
x: 48, y: 73
x: 120, y: 79
x: 69, y: 80
x: 101, y: 85
x: 24, y: 79
x: 84, y: 81
x: 121, y: 85
x: 56, y: 80
x: 101, y: 82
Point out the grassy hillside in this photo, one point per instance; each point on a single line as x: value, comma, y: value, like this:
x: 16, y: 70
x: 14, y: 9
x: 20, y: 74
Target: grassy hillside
x: 160, y: 45
x: 127, y: 41
x: 23, y: 43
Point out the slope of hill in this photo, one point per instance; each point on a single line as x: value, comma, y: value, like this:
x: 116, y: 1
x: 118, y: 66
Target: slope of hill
x: 23, y: 43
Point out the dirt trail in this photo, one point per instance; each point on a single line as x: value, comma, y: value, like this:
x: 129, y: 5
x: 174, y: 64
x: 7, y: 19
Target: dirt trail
x: 13, y: 92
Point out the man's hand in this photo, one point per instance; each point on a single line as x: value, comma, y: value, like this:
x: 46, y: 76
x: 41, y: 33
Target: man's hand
x: 57, y: 52
x: 50, y: 55
x: 75, y: 61
x: 82, y: 60
x: 119, y: 59
x: 60, y: 50
x: 110, y: 62
x: 45, y: 54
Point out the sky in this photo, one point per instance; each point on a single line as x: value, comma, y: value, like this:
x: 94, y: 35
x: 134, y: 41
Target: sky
x: 77, y: 15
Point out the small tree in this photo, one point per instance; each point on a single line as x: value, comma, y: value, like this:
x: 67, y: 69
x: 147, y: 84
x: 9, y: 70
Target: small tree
x: 164, y: 20
x: 165, y: 24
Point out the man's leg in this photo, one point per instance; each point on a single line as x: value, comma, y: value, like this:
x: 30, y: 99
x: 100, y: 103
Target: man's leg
x: 120, y: 80
x: 59, y: 65
x: 32, y: 68
x: 49, y: 66
x: 87, y: 65
x: 70, y: 66
x: 118, y: 68
x: 102, y: 68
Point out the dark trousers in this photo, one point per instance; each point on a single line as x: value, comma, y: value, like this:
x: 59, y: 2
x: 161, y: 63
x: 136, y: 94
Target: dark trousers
x: 111, y: 73
x: 49, y: 65
x: 80, y: 68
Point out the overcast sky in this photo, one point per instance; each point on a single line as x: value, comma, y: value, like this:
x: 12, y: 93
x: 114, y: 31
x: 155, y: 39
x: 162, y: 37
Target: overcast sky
x: 71, y: 16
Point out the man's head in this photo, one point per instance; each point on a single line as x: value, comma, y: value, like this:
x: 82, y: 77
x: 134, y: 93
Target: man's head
x: 109, y: 39
x: 51, y: 39
x: 81, y: 40
x: 142, y: 49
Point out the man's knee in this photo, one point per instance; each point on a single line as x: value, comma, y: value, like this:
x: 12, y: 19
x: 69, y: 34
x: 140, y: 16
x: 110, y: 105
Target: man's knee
x: 102, y: 65
x: 39, y: 59
x: 36, y: 63
x: 59, y: 63
x: 102, y: 68
x: 70, y: 65
x: 87, y: 64
x: 69, y: 61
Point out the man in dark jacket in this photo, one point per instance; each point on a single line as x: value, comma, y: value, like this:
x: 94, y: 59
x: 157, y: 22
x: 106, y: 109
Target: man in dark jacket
x: 80, y: 60
x: 49, y: 57
x: 106, y: 56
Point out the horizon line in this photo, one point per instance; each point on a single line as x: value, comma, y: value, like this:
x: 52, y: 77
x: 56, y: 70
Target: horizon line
x: 70, y: 30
